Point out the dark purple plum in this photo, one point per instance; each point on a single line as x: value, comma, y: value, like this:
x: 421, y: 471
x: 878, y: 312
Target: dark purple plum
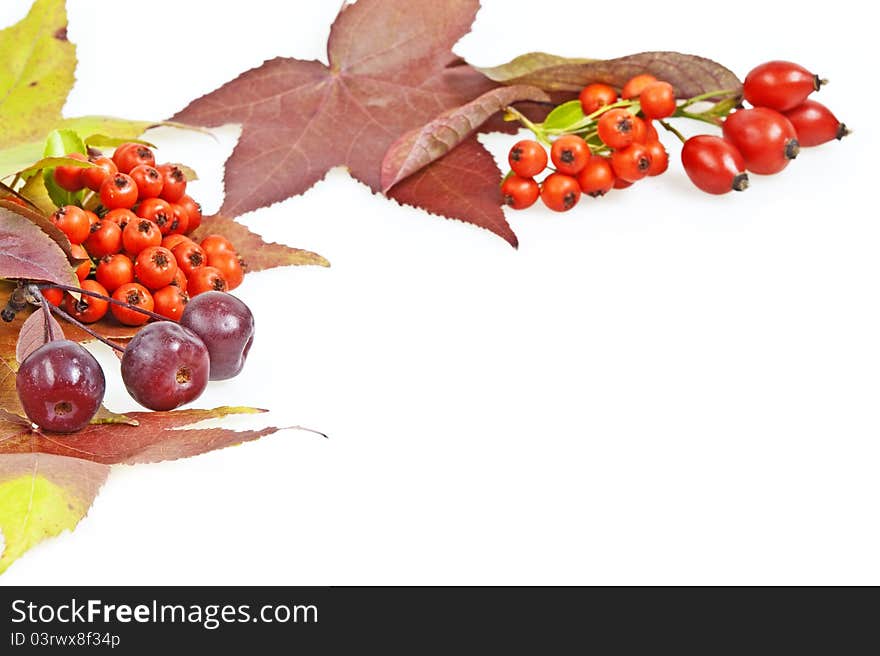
x: 165, y: 365
x: 226, y: 325
x: 60, y: 386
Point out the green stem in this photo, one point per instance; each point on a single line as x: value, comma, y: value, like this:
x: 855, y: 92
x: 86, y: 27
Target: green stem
x: 670, y: 128
x: 705, y: 118
x: 722, y: 93
x: 522, y: 118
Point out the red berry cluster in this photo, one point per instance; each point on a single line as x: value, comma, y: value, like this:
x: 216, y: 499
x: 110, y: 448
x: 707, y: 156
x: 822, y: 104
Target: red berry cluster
x: 134, y: 246
x: 627, y: 151
x: 762, y: 139
x: 615, y: 142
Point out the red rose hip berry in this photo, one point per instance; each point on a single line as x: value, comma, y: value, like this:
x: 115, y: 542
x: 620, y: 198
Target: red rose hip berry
x: 766, y: 139
x: 779, y: 85
x: 714, y: 164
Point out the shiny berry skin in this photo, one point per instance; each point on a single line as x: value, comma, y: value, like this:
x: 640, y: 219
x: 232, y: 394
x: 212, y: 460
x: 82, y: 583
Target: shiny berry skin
x: 114, y: 271
x: 105, y: 238
x: 560, y: 192
x: 179, y: 280
x: 635, y: 85
x: 815, y: 124
x: 60, y: 386
x: 165, y: 366
x: 194, y: 212
x: 714, y: 164
x: 620, y: 183
x: 639, y: 130
x: 69, y: 178
x: 93, y: 218
x: 569, y: 154
x: 226, y: 326
x: 517, y: 193
x: 229, y: 264
x: 213, y: 244
x: 159, y: 212
x: 650, y: 131
x: 174, y: 239
x: 615, y: 128
x: 93, y: 178
x: 170, y: 302
x: 155, y: 267
x: 766, y: 139
x: 174, y: 182
x: 659, y: 158
x: 631, y: 163
x: 120, y: 217
x: 206, y: 279
x: 130, y: 155
x: 527, y: 158
x: 118, y: 191
x: 133, y: 294
x: 658, y: 100
x: 84, y: 269
x: 140, y: 234
x: 148, y: 181
x: 181, y: 220
x: 88, y: 309
x: 53, y: 294
x: 779, y: 85
x: 190, y: 257
x: 597, y: 177
x: 73, y: 222
x: 595, y: 96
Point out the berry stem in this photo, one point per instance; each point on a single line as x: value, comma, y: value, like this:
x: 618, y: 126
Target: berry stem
x: 522, y: 118
x: 47, y: 315
x: 70, y: 288
x: 61, y: 313
x: 673, y: 130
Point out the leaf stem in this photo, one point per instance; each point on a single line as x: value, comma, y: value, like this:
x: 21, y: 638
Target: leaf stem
x: 721, y: 93
x: 47, y: 316
x: 522, y: 118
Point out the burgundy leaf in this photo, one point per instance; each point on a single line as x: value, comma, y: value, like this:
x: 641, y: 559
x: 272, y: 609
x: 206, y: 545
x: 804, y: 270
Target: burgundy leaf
x: 418, y: 148
x: 33, y: 334
x: 462, y: 185
x: 26, y: 252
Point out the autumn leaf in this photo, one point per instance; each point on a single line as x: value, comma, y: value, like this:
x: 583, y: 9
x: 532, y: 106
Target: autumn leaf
x: 158, y: 436
x: 301, y: 118
x: 42, y: 495
x: 418, y: 148
x: 256, y: 253
x: 689, y: 74
x: 466, y: 178
x: 26, y: 252
x: 34, y: 333
x: 37, y: 73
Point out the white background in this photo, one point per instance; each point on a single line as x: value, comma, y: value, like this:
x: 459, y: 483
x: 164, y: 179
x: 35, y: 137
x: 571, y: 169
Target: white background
x: 661, y: 387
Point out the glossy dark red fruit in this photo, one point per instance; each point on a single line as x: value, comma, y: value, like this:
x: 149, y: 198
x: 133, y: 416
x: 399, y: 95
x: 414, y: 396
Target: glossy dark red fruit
x: 779, y: 85
x: 165, y: 365
x: 226, y: 326
x: 766, y: 139
x: 714, y: 164
x: 60, y: 386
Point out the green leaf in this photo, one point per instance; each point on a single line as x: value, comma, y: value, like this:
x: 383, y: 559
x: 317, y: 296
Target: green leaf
x: 41, y: 496
x: 64, y: 142
x: 564, y: 116
x: 35, y: 191
x: 59, y: 144
x: 52, y: 163
x: 36, y: 74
